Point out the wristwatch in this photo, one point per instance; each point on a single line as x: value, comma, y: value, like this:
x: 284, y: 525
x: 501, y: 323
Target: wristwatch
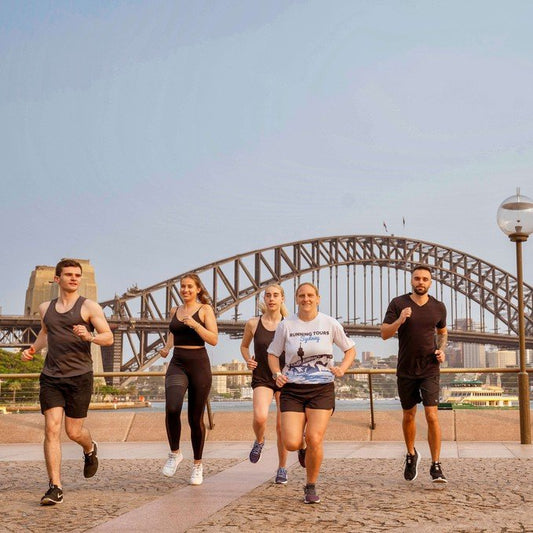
x: 276, y: 375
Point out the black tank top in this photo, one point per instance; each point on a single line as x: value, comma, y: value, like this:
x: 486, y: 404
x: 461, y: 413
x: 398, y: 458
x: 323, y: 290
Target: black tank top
x: 262, y: 339
x: 183, y: 334
x: 68, y: 355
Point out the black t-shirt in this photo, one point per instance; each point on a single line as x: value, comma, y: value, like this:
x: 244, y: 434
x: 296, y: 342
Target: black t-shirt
x: 416, y: 336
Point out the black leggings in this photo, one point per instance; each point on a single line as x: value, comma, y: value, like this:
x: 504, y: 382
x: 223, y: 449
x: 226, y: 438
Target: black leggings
x: 188, y: 369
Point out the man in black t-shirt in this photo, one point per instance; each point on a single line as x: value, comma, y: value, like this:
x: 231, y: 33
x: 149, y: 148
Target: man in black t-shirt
x: 420, y: 321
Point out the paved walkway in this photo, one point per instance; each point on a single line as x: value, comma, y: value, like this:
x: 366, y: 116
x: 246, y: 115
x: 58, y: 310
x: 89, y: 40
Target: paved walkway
x: 490, y: 489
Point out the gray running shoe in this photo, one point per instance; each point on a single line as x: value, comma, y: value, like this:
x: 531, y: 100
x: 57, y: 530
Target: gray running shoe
x: 411, y: 466
x: 281, y: 476
x: 255, y: 454
x: 310, y: 495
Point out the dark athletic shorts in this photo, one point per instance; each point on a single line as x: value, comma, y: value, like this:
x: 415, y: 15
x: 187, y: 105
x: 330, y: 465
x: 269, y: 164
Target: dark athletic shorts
x: 415, y: 390
x: 262, y: 382
x: 73, y: 394
x: 298, y: 397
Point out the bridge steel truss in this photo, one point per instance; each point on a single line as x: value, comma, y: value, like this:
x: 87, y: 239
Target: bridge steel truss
x: 361, y: 273
x: 357, y: 276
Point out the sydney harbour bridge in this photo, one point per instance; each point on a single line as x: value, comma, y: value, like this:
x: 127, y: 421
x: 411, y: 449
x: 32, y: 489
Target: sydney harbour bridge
x: 357, y: 276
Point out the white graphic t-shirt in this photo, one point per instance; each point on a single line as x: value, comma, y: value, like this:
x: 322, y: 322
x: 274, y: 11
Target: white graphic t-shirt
x: 308, y: 347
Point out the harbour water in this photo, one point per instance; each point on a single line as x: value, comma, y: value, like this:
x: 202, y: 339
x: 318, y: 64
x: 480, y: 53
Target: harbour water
x: 387, y: 404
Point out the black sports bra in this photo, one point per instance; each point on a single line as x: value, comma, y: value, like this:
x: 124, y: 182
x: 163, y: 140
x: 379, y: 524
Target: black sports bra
x: 183, y: 334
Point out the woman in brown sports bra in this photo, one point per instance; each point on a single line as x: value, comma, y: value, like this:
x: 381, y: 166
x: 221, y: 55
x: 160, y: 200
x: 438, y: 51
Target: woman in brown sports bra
x: 261, y: 330
x: 192, y: 324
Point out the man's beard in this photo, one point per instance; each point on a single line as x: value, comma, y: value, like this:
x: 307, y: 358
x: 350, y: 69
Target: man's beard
x: 420, y: 290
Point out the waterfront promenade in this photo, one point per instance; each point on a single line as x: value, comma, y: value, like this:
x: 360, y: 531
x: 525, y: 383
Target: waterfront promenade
x: 362, y: 489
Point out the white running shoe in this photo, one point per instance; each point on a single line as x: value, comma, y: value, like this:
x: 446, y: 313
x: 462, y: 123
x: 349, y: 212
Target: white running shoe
x: 197, y: 476
x: 174, y: 459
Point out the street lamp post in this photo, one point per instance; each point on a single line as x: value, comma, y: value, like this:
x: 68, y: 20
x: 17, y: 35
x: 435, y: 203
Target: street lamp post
x: 515, y: 218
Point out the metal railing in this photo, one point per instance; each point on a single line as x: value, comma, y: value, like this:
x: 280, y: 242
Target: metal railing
x: 8, y: 393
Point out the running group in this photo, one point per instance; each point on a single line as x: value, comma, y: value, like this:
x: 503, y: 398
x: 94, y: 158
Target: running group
x: 291, y: 362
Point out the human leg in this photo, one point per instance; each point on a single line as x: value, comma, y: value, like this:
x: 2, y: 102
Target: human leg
x: 199, y: 387
x: 262, y: 399
x: 409, y: 428
x: 282, y: 451
x: 317, y: 423
x: 77, y: 432
x: 434, y: 431
x: 52, y: 444
x: 292, y: 428
x: 176, y: 383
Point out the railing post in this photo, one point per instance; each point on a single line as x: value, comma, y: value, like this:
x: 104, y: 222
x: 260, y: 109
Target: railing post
x: 372, y: 421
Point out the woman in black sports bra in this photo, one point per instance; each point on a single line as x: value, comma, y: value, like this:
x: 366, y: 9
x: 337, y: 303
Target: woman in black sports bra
x: 261, y: 330
x: 192, y: 324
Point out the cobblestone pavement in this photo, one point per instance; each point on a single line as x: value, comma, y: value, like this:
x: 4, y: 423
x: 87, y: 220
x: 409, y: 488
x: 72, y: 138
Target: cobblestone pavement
x: 119, y: 486
x: 483, y: 495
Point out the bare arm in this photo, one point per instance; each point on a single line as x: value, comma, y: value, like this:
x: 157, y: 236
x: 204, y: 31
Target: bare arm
x: 249, y: 330
x: 273, y: 363
x: 42, y: 338
x: 208, y: 332
x: 170, y: 338
x: 93, y: 313
x: 442, y: 341
x: 389, y: 330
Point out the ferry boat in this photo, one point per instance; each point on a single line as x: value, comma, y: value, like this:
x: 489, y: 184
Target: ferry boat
x: 473, y: 393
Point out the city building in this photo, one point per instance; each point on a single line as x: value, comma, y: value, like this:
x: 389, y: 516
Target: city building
x: 219, y: 384
x: 238, y: 381
x: 501, y: 358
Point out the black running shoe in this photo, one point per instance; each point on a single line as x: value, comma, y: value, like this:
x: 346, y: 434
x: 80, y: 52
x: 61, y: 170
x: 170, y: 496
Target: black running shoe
x: 91, y: 462
x: 411, y: 466
x: 437, y: 476
x: 310, y: 495
x: 301, y: 456
x: 53, y: 496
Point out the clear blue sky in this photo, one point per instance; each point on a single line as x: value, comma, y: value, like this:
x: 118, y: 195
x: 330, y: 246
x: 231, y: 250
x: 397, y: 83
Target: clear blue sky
x: 152, y: 137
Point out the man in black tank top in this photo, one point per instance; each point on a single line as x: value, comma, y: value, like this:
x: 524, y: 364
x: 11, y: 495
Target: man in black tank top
x: 68, y: 325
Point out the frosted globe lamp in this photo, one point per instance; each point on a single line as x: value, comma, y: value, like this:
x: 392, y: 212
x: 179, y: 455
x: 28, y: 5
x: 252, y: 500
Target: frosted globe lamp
x: 515, y: 217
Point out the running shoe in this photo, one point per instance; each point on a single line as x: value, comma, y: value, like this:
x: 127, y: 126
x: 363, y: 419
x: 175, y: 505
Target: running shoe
x: 411, y: 466
x: 174, y: 459
x: 255, y: 454
x: 310, y: 495
x: 53, y: 496
x: 437, y: 476
x: 91, y: 462
x: 301, y: 456
x: 197, y: 476
x: 281, y: 476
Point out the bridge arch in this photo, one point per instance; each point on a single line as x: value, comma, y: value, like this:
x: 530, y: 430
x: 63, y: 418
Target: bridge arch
x: 361, y: 273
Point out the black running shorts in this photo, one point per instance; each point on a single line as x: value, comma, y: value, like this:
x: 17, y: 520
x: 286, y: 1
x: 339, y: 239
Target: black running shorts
x: 298, y: 397
x: 73, y: 394
x: 415, y: 390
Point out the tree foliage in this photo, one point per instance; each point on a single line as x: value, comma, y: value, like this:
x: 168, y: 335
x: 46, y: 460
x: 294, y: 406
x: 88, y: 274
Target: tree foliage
x: 11, y: 363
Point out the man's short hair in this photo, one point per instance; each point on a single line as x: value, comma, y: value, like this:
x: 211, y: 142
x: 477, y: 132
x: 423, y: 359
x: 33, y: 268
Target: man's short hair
x: 421, y: 267
x: 66, y: 263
